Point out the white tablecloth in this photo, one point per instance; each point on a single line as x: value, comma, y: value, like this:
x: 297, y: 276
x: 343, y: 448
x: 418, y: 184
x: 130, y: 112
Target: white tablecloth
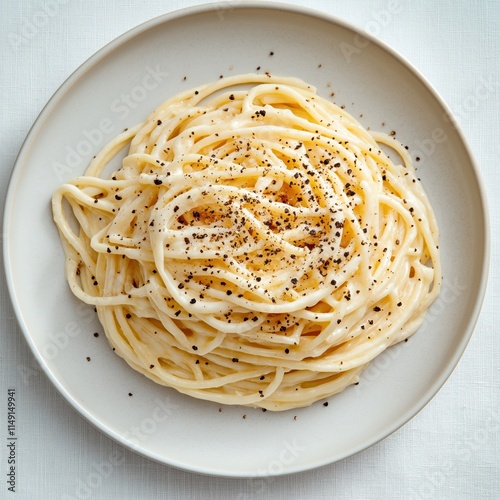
x: 450, y: 450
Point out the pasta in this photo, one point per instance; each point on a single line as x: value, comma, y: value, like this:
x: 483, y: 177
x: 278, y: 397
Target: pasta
x: 256, y: 246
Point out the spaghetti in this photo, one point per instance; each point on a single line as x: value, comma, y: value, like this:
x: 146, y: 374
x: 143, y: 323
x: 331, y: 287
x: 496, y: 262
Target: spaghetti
x: 255, y: 247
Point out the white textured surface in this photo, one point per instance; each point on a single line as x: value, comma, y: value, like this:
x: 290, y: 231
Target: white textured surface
x: 449, y: 450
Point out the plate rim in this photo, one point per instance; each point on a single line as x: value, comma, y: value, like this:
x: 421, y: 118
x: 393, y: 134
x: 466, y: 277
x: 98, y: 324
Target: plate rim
x: 167, y: 18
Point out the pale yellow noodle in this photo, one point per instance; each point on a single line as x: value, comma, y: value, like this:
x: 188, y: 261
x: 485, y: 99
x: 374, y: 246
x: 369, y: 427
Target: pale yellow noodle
x: 256, y: 247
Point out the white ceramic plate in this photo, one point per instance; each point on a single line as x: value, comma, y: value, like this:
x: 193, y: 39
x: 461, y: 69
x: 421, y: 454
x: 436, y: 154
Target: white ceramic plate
x: 118, y: 87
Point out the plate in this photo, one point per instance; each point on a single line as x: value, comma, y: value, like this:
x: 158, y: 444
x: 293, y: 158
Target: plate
x: 118, y: 87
